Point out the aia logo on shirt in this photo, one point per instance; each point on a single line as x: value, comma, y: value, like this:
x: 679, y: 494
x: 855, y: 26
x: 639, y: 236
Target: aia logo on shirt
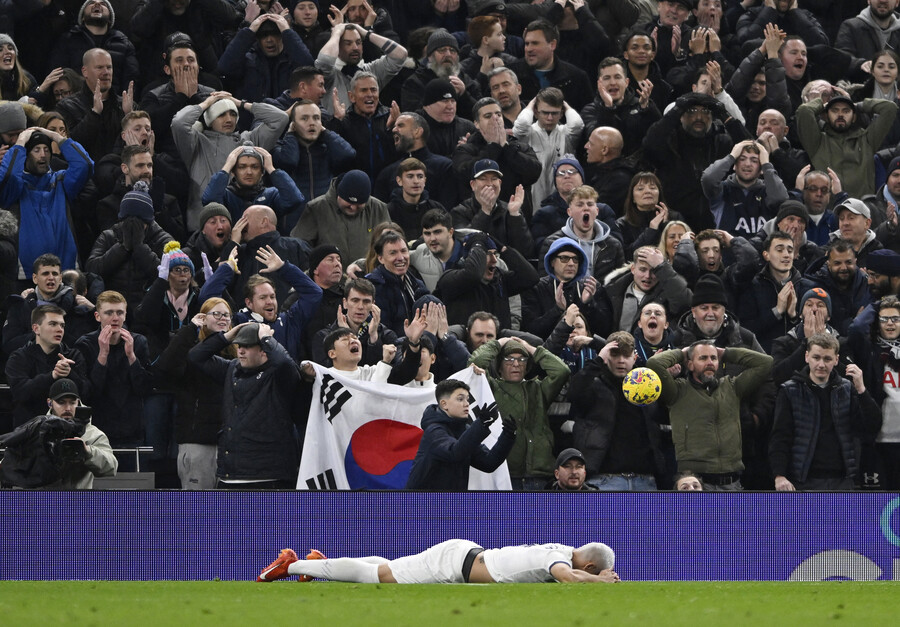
x: 891, y: 379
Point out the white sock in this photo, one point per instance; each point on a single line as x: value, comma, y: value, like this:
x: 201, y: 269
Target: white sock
x: 356, y: 570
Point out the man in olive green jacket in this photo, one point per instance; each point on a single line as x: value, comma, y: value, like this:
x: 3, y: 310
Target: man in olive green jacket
x: 705, y: 409
x: 843, y: 143
x: 507, y: 360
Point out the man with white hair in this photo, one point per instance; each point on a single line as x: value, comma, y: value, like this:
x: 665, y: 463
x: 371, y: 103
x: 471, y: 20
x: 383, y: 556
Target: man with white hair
x: 457, y: 561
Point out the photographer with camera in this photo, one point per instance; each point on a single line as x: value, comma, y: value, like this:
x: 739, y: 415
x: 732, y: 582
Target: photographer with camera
x: 61, y: 450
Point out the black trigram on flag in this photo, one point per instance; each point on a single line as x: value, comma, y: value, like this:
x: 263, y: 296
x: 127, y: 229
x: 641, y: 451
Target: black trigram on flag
x: 322, y: 481
x: 332, y: 396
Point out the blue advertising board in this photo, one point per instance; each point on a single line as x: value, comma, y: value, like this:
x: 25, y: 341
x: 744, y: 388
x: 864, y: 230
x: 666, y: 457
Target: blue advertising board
x: 174, y: 535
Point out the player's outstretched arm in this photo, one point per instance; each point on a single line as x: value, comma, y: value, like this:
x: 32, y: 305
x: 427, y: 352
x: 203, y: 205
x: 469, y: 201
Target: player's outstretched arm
x: 564, y: 573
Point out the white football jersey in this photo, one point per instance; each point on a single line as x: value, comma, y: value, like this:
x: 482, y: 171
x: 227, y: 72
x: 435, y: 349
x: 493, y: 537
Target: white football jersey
x: 528, y: 563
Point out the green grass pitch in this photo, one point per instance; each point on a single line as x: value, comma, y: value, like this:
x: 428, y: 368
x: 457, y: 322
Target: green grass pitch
x: 693, y: 604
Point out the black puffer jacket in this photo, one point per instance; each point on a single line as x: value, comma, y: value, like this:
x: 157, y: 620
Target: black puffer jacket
x: 128, y: 272
x: 258, y: 440
x: 449, y: 447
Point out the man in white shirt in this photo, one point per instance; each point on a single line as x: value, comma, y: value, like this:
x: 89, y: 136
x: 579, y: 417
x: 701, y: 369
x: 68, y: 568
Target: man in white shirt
x: 457, y: 561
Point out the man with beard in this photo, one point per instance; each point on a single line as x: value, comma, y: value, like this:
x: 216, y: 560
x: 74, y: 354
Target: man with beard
x: 438, y: 110
x: 845, y: 283
x: 411, y: 133
x: 239, y: 184
x: 94, y: 29
x: 682, y: 145
x: 441, y: 61
x: 883, y: 271
x: 621, y: 440
x: 257, y: 63
x: 876, y: 28
x: 94, y: 115
x: 205, y: 246
x: 885, y: 203
x: 843, y: 144
x: 505, y: 89
x: 707, y: 408
x: 137, y: 165
x: 345, y: 45
x: 43, y: 196
x: 741, y: 202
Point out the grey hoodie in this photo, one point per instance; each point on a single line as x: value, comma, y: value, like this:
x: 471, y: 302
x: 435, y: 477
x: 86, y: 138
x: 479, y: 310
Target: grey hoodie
x: 601, y: 235
x: 883, y: 33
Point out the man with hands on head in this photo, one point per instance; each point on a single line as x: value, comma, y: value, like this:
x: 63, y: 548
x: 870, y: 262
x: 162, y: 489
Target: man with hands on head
x: 239, y: 184
x: 258, y: 448
x: 524, y: 401
x: 346, y: 45
x: 818, y: 417
x: 261, y: 300
x: 43, y: 195
x: 452, y: 442
x: 204, y: 146
x: 742, y: 201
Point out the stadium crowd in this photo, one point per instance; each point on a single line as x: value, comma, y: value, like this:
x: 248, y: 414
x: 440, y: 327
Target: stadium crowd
x: 198, y: 196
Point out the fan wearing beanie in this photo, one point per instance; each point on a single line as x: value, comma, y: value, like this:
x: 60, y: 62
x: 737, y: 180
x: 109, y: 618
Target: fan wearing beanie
x: 127, y: 255
x: 239, y: 184
x: 42, y: 194
x: 441, y: 61
x: 172, y: 300
x: 204, y: 145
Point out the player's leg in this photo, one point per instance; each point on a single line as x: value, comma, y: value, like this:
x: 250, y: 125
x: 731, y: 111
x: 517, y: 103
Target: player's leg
x: 351, y: 569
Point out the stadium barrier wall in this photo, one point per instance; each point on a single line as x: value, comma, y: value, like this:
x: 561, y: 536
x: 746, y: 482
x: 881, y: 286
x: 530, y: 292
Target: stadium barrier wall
x: 171, y: 535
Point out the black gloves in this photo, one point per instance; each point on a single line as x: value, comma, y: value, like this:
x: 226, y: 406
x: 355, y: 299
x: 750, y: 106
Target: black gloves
x: 509, y: 424
x: 132, y: 232
x: 487, y: 414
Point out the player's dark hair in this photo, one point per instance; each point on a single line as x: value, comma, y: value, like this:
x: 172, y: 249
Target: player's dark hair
x: 635, y: 32
x: 609, y: 62
x: 40, y: 312
x: 361, y: 285
x: 303, y: 74
x: 47, y: 259
x: 706, y: 342
x: 435, y: 217
x: 551, y: 33
x: 484, y: 316
x: 447, y: 387
x: 334, y: 336
x: 839, y: 245
x: 774, y: 235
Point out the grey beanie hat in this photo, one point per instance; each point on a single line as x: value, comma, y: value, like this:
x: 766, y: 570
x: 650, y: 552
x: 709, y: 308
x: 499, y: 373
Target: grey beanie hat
x: 112, y: 12
x: 12, y: 117
x: 6, y: 39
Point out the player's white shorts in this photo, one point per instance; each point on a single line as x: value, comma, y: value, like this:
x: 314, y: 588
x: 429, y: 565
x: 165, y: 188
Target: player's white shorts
x: 442, y: 563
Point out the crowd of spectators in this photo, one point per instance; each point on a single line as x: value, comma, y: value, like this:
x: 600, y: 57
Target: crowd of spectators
x: 198, y: 196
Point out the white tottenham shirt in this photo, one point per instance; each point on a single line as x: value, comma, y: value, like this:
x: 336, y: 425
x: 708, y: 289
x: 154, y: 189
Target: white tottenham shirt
x: 526, y: 564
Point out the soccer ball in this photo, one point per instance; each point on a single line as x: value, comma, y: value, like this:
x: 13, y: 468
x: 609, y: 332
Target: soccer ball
x: 641, y: 386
